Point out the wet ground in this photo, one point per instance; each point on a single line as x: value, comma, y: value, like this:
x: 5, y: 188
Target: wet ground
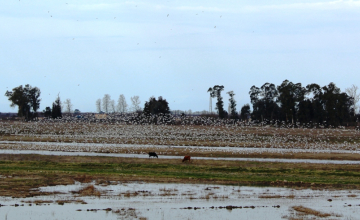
x: 137, y: 200
x: 94, y: 149
x: 60, y: 153
x: 102, y: 147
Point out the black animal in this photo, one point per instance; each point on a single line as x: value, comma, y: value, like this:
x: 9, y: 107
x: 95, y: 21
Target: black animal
x: 153, y: 154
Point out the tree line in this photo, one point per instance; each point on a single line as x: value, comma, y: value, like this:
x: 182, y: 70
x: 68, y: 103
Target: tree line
x: 107, y: 105
x: 288, y: 102
x: 27, y: 98
x: 292, y: 103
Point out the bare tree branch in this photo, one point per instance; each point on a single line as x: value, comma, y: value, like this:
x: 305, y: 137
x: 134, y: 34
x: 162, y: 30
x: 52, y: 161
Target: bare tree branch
x: 98, y: 105
x: 122, y: 105
x: 106, y: 103
x: 135, y: 100
x: 352, y: 92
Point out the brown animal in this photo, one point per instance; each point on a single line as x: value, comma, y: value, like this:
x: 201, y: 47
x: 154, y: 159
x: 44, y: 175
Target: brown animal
x: 186, y: 158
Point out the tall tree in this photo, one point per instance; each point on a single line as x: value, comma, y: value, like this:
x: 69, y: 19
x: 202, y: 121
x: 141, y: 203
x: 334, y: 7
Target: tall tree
x: 305, y: 113
x: 98, y: 105
x: 122, y: 105
x: 26, y: 98
x: 34, y: 98
x: 135, y: 101
x: 233, y: 113
x: 254, y: 94
x: 264, y: 103
x: 106, y: 103
x: 353, y: 93
x: 290, y: 95
x: 68, y: 106
x: 216, y: 92
x: 329, y: 97
x: 56, y: 108
x: 47, y: 112
x: 245, y: 112
x: 337, y: 105
x: 315, y: 94
x: 212, y: 95
x: 154, y: 107
x: 112, y: 106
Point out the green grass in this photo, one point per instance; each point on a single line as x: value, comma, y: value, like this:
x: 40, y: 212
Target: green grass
x: 230, y: 172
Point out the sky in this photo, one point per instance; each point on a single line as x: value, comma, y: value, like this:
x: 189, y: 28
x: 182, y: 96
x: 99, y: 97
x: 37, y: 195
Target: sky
x: 84, y: 49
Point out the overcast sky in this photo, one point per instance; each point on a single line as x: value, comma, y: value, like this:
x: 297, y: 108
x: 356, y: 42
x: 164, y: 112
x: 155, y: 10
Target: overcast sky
x: 175, y: 49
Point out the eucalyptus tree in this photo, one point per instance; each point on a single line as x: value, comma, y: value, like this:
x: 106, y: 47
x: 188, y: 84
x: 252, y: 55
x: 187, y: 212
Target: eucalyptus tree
x: 245, y: 112
x: 337, y: 105
x: 212, y: 95
x: 315, y: 94
x: 290, y: 95
x: 216, y: 92
x: 264, y: 103
x: 233, y: 113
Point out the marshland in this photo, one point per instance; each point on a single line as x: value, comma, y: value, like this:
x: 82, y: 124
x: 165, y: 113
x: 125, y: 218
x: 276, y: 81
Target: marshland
x: 135, y: 186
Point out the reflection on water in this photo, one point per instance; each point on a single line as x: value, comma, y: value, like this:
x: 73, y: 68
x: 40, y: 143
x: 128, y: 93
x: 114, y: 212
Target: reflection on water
x: 137, y: 200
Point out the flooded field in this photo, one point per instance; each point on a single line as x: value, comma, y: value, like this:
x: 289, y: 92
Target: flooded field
x: 138, y: 200
x: 315, y: 171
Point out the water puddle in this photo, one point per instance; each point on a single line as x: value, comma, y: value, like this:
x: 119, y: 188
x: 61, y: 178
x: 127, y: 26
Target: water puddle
x: 138, y: 200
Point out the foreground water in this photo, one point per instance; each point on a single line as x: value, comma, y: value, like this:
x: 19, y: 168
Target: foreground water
x: 138, y: 200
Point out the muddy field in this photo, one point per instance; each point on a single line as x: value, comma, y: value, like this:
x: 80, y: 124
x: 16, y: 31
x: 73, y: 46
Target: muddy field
x: 95, y: 170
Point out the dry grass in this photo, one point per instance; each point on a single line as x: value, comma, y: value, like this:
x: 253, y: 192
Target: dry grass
x: 129, y: 194
x: 129, y: 213
x: 89, y: 191
x: 266, y: 196
x: 39, y: 201
x: 21, y: 173
x: 352, y: 195
x: 309, y: 211
x: 270, y: 196
x: 83, y: 178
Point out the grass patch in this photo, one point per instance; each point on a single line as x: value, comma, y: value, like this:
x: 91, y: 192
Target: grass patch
x: 309, y: 211
x: 20, y: 173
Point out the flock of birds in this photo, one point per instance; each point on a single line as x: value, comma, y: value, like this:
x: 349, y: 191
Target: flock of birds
x: 195, y: 134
